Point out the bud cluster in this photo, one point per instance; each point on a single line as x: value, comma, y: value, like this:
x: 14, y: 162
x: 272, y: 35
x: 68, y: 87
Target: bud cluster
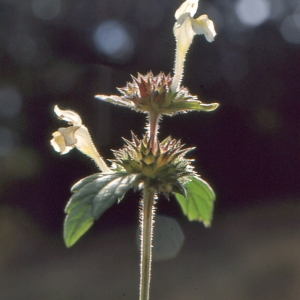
x: 153, y: 94
x: 165, y: 169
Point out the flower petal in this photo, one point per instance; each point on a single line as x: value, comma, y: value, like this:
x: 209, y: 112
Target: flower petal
x: 68, y: 115
x: 203, y: 25
x: 86, y: 146
x: 59, y: 144
x: 188, y: 6
x: 184, y: 35
x: 69, y: 135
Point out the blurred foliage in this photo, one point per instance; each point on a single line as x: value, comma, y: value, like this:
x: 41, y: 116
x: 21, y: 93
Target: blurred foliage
x: 50, y: 54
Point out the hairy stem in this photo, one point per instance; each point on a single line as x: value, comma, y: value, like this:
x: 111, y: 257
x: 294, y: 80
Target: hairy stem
x: 147, y: 212
x: 153, y: 128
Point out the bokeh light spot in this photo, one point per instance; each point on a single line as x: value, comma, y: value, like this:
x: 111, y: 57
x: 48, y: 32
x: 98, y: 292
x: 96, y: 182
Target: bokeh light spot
x: 253, y: 12
x: 46, y: 9
x: 10, y: 102
x: 278, y: 9
x: 113, y: 39
x: 22, y: 48
x: 168, y: 238
x: 8, y: 140
x: 290, y: 29
x: 21, y: 163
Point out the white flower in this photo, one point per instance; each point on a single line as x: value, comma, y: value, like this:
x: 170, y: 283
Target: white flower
x: 184, y: 30
x: 77, y: 135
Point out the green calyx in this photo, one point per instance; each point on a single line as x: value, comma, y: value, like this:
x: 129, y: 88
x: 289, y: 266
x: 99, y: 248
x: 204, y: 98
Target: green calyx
x: 165, y: 169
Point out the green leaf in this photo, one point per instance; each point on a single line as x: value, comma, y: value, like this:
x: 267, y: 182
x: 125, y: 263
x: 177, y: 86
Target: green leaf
x: 78, y: 221
x: 117, y: 100
x: 198, y: 204
x: 192, y: 105
x: 92, y: 196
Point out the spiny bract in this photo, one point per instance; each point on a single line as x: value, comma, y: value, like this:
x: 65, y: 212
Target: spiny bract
x: 165, y: 170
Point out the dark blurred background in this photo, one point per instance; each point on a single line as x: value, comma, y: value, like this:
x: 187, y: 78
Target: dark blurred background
x: 64, y: 52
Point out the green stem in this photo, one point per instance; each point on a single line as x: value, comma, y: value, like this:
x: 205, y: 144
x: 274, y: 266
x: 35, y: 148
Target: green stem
x: 153, y: 128
x: 147, y: 219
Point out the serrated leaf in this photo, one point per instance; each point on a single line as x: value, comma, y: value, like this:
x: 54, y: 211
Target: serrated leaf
x: 78, y: 185
x: 198, y: 205
x: 89, y: 186
x: 92, y: 196
x: 111, y: 192
x: 78, y: 221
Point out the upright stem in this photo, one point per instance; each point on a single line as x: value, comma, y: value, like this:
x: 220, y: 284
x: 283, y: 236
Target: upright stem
x: 153, y: 127
x: 147, y: 219
x: 147, y: 212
